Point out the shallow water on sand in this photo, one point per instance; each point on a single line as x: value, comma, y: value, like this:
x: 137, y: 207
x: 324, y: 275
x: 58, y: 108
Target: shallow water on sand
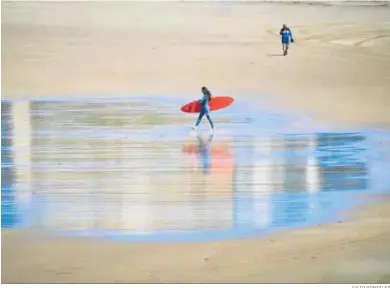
x: 131, y: 169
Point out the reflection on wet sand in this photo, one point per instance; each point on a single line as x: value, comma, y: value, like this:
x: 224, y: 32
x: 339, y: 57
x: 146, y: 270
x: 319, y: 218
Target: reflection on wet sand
x: 96, y: 169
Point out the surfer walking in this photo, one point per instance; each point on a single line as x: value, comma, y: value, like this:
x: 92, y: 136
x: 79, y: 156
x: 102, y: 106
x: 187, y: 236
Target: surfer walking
x: 205, y: 108
x: 287, y: 38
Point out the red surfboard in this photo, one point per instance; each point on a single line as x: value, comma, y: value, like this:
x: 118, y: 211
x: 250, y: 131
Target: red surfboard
x: 216, y: 103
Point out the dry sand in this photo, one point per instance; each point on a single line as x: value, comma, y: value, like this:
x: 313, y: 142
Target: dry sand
x: 338, y: 71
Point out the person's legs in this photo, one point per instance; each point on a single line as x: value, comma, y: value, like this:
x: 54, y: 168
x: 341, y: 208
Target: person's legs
x: 201, y: 114
x: 286, y: 50
x: 210, y: 120
x: 285, y: 43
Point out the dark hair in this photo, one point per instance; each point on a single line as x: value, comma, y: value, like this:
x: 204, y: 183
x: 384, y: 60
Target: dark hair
x: 207, y: 92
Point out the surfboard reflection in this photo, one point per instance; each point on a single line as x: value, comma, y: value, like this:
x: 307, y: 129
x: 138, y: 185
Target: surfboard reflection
x: 209, y: 157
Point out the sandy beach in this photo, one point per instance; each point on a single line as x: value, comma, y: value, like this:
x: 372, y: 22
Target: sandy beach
x: 336, y: 72
x: 351, y: 251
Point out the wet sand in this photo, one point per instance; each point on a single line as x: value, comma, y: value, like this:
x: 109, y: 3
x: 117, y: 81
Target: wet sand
x: 355, y: 251
x: 337, y: 71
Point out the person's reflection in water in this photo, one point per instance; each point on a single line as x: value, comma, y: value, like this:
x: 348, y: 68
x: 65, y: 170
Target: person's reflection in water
x: 204, y: 152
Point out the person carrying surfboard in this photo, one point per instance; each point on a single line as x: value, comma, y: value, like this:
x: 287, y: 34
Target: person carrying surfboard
x: 205, y: 108
x: 287, y: 38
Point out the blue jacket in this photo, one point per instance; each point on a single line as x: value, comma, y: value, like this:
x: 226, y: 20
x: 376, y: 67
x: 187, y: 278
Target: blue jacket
x: 286, y: 34
x: 205, y: 102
